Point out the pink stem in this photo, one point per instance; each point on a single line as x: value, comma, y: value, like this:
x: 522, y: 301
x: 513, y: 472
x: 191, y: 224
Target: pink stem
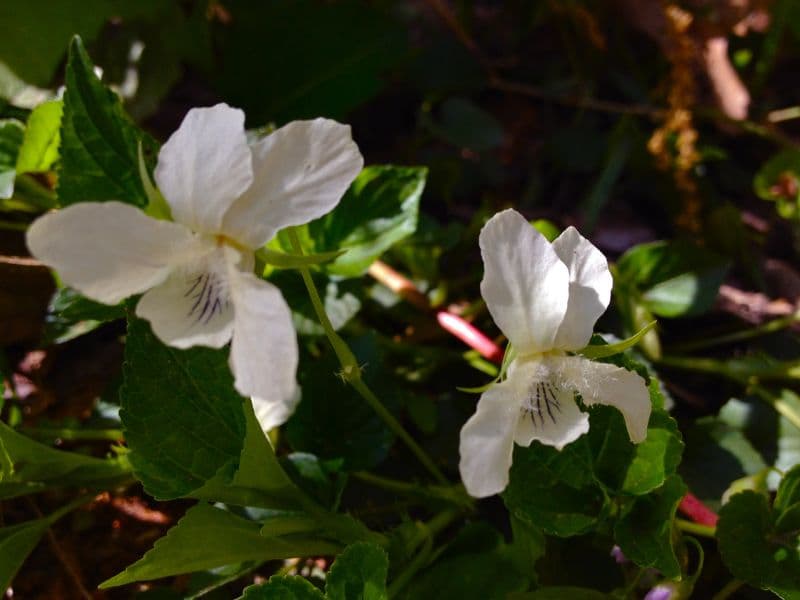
x: 698, y: 512
x: 470, y: 335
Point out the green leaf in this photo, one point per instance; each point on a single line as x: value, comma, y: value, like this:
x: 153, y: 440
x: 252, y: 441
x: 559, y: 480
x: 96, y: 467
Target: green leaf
x: 379, y: 209
x: 359, y: 573
x: 645, y: 532
x: 676, y: 278
x: 39, y: 150
x: 35, y: 58
x: 480, y: 576
x: 283, y: 588
x: 554, y: 490
x: 656, y: 458
x: 788, y: 491
x: 297, y: 75
x: 71, y: 315
x: 183, y: 420
x: 713, y: 441
x: 208, y: 537
x: 322, y: 480
x: 16, y: 543
x: 466, y: 125
x: 258, y: 465
x: 527, y: 548
x: 27, y: 466
x: 332, y: 421
x: 752, y: 547
x: 259, y: 479
x: 99, y: 144
x: 567, y: 493
x: 11, y: 134
x: 188, y: 430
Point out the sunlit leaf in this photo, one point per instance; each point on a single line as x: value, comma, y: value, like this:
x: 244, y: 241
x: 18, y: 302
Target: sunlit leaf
x: 99, y: 143
x: 208, y: 537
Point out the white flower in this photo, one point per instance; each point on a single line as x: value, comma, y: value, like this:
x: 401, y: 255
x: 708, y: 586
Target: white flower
x: 227, y: 199
x: 545, y: 298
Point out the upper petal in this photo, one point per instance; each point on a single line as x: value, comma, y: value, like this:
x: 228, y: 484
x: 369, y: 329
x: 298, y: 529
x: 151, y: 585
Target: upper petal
x: 604, y: 383
x: 301, y: 172
x: 108, y: 251
x: 550, y: 413
x: 193, y: 306
x: 264, y: 350
x: 525, y: 283
x: 487, y: 441
x: 590, y: 285
x: 204, y: 166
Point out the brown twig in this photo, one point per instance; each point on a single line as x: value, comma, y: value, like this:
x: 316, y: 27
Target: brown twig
x: 608, y: 106
x: 65, y: 561
x: 441, y: 8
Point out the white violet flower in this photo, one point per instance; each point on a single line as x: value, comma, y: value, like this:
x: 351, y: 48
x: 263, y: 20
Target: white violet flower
x: 227, y: 199
x: 545, y: 298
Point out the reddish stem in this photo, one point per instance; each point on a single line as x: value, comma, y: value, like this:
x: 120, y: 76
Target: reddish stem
x: 698, y: 512
x: 470, y: 335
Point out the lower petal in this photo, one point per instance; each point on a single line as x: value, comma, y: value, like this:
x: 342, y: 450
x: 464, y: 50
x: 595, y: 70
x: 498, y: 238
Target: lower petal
x: 487, y: 442
x: 192, y: 307
x: 273, y: 412
x: 264, y: 350
x: 552, y: 416
x: 603, y: 383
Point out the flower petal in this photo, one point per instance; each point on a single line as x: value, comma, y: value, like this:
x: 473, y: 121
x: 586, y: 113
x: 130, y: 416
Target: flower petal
x: 550, y: 412
x: 487, y: 441
x: 193, y: 306
x: 204, y: 166
x: 274, y: 412
x: 559, y: 423
x: 590, y: 285
x: 608, y: 384
x: 301, y: 172
x: 264, y: 350
x: 525, y: 284
x: 108, y: 251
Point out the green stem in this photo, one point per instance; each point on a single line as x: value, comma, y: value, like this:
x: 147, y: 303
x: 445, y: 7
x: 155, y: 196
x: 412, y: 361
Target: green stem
x: 419, y: 561
x: 738, y: 336
x: 741, y: 371
x: 730, y: 588
x: 91, y: 435
x: 351, y: 370
x: 696, y: 528
x: 13, y: 226
x: 393, y: 424
x: 782, y: 407
x: 425, y: 534
x: 346, y: 529
x: 453, y: 494
x: 708, y: 365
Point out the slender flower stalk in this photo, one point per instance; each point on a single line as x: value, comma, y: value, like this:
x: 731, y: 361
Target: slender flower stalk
x: 351, y: 371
